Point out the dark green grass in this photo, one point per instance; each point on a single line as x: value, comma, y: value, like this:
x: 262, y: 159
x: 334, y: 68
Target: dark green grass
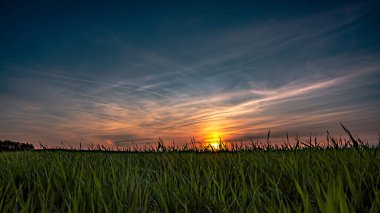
x: 255, y: 181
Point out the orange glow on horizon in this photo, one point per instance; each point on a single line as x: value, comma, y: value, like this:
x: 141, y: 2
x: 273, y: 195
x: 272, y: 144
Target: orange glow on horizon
x: 213, y: 138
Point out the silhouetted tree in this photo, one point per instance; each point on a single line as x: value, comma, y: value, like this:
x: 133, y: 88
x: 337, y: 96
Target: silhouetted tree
x: 8, y: 145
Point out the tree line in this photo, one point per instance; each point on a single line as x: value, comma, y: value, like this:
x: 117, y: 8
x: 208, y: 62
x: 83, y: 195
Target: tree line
x: 8, y: 145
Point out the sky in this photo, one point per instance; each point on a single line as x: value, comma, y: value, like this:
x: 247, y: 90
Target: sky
x: 108, y: 72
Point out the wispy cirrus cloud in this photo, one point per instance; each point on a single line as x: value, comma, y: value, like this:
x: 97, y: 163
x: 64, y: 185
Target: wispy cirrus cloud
x: 289, y: 74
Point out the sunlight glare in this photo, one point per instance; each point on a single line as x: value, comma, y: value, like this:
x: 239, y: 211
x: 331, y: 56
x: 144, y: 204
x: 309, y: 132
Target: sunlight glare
x: 213, y: 141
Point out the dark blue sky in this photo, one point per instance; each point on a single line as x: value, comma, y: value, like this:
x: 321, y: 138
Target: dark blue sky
x: 114, y: 71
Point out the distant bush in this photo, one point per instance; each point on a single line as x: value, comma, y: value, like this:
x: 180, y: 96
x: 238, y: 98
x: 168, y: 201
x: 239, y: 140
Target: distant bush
x: 8, y: 145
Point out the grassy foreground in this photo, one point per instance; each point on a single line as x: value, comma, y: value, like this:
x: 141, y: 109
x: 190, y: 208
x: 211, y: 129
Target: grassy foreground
x: 257, y: 181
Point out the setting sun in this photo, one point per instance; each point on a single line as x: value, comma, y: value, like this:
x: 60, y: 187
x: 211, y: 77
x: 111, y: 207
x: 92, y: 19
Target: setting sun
x: 214, y: 141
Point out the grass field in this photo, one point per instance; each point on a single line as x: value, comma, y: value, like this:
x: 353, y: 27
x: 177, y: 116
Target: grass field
x: 336, y: 180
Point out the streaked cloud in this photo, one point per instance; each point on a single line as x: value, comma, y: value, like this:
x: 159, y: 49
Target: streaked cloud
x: 300, y: 74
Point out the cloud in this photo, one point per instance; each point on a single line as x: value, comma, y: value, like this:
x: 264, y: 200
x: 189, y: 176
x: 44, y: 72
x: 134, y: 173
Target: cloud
x: 245, y: 79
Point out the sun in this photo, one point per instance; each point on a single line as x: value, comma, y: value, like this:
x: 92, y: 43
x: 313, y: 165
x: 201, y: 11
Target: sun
x: 213, y: 137
x: 214, y: 141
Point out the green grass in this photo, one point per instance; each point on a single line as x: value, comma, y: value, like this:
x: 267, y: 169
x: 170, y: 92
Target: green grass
x: 256, y: 181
